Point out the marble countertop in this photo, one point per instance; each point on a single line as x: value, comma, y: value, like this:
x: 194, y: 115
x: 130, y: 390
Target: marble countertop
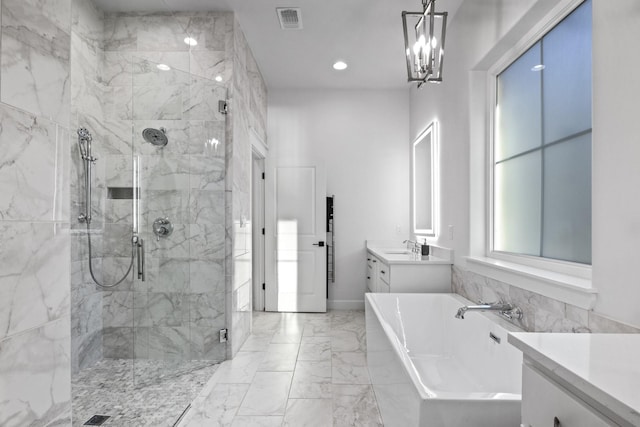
x: 603, y: 369
x: 399, y: 255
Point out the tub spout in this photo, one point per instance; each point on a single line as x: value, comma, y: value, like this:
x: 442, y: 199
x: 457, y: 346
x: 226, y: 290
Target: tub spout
x: 507, y: 310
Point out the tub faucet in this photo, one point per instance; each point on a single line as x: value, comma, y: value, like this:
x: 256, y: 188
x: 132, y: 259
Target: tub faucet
x: 507, y: 310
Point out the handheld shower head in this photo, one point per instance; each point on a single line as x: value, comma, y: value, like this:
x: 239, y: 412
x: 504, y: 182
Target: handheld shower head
x: 84, y: 143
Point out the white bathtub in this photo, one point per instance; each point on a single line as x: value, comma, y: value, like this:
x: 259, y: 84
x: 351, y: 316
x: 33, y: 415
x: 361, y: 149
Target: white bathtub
x: 431, y: 369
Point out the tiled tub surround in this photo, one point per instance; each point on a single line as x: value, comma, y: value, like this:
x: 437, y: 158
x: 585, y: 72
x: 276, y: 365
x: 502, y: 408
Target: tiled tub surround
x: 540, y: 313
x: 34, y: 213
x: 429, y: 368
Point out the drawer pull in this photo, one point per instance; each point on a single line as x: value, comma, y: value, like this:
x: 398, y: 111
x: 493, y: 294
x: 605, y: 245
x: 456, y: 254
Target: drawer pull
x: 556, y: 422
x: 375, y: 260
x: 368, y: 278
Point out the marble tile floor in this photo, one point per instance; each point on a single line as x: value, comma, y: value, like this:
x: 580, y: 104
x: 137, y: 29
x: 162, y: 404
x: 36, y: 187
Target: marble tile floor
x: 138, y: 393
x: 295, y: 369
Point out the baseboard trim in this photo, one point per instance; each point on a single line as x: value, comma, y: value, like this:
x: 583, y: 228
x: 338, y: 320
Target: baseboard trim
x: 357, y: 304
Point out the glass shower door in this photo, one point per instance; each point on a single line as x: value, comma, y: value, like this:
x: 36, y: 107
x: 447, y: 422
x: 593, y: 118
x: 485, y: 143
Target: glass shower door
x: 178, y: 156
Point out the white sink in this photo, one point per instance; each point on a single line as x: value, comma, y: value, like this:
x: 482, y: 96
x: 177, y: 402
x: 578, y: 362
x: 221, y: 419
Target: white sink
x: 398, y: 252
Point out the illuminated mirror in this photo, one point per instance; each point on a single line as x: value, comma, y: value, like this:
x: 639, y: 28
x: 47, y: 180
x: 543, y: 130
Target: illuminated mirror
x: 424, y: 180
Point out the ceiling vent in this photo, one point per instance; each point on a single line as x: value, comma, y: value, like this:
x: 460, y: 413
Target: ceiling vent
x: 290, y: 18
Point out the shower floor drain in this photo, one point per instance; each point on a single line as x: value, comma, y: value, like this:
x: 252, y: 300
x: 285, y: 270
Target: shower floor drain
x: 97, y: 420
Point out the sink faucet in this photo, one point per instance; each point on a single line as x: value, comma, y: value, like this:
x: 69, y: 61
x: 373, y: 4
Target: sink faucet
x: 416, y: 246
x: 507, y: 310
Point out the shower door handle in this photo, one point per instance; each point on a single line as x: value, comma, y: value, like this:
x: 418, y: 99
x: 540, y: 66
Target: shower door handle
x: 141, y: 273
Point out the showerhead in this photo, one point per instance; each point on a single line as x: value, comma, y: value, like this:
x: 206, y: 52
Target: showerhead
x: 155, y: 136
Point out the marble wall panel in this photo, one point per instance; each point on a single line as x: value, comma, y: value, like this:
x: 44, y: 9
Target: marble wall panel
x: 118, y: 342
x: 34, y: 169
x: 159, y: 102
x: 211, y: 64
x: 34, y: 284
x: 120, y: 32
x: 207, y: 242
x: 207, y: 276
x: 207, y: 310
x: 36, y: 39
x: 35, y: 380
x: 540, y: 313
x: 206, y: 207
x: 207, y: 173
x: 202, y: 102
x: 169, y: 343
x: 169, y: 275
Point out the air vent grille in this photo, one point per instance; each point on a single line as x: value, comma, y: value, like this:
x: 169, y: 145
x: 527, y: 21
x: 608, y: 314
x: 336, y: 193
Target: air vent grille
x: 290, y: 18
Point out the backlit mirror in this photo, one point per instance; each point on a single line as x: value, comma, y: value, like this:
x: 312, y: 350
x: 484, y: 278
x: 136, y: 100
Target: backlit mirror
x: 424, y: 171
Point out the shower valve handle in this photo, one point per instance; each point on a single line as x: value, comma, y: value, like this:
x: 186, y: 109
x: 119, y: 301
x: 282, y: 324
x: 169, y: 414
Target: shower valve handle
x: 162, y: 227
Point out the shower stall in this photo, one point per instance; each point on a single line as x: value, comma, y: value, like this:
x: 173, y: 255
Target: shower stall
x: 152, y: 221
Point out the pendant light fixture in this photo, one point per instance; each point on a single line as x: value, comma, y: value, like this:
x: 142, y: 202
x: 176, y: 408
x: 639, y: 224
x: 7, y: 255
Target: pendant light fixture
x: 424, y: 34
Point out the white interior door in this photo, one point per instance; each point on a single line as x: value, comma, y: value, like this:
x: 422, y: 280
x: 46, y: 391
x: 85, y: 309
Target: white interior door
x: 300, y: 238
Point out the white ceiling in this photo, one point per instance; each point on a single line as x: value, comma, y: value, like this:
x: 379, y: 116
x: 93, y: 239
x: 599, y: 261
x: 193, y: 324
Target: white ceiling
x: 366, y: 34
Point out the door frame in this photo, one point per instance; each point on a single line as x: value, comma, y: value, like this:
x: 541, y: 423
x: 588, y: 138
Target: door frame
x: 259, y: 153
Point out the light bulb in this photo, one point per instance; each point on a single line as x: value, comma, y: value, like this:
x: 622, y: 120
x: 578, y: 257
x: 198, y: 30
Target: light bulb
x: 416, y: 48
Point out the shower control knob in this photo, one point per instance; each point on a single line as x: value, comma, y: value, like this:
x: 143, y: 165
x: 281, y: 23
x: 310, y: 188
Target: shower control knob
x: 162, y: 227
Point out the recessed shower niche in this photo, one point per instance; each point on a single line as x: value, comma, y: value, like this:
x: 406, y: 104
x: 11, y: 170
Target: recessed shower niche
x: 158, y: 152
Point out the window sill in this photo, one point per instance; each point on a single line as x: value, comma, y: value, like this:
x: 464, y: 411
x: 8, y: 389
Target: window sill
x: 562, y: 287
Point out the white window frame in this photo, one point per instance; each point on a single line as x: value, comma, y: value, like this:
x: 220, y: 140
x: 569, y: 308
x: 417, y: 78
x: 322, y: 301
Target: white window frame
x: 566, y: 281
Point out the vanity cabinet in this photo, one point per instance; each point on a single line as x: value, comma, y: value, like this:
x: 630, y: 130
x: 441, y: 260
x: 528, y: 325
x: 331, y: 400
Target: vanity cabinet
x: 545, y: 403
x: 401, y: 274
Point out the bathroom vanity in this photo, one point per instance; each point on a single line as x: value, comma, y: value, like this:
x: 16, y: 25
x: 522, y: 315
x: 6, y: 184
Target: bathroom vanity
x: 395, y: 269
x: 582, y: 380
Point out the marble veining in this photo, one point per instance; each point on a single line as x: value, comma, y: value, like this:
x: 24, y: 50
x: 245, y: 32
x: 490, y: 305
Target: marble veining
x: 254, y: 389
x: 35, y: 384
x: 35, y: 274
x: 540, y: 313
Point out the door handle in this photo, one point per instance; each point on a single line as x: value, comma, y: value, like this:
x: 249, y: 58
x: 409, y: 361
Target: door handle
x: 320, y: 243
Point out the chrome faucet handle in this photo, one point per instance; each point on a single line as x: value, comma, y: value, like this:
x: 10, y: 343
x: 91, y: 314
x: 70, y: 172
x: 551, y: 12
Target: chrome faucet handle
x: 514, y: 313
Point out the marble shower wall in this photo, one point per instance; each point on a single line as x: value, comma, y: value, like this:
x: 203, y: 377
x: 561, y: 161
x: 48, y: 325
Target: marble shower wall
x: 177, y: 313
x: 248, y: 100
x: 87, y: 92
x: 34, y: 213
x: 540, y: 313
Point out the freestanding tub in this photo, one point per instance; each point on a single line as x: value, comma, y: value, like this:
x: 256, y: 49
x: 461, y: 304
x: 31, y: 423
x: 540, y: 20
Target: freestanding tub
x: 430, y: 369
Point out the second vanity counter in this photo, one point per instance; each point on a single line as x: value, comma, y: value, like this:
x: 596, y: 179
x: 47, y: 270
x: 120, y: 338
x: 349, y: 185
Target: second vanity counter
x: 393, y: 268
x: 580, y: 379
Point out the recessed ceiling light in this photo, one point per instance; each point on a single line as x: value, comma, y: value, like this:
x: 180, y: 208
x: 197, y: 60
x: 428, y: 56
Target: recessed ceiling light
x: 340, y: 65
x: 163, y: 67
x: 218, y: 78
x: 190, y: 41
x: 538, y: 67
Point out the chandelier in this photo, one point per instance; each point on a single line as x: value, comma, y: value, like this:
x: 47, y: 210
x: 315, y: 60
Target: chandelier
x: 424, y: 34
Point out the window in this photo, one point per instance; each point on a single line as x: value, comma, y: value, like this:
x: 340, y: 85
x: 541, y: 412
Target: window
x: 541, y: 199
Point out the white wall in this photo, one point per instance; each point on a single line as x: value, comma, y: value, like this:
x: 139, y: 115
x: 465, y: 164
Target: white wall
x: 475, y: 38
x: 616, y: 153
x: 362, y: 136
